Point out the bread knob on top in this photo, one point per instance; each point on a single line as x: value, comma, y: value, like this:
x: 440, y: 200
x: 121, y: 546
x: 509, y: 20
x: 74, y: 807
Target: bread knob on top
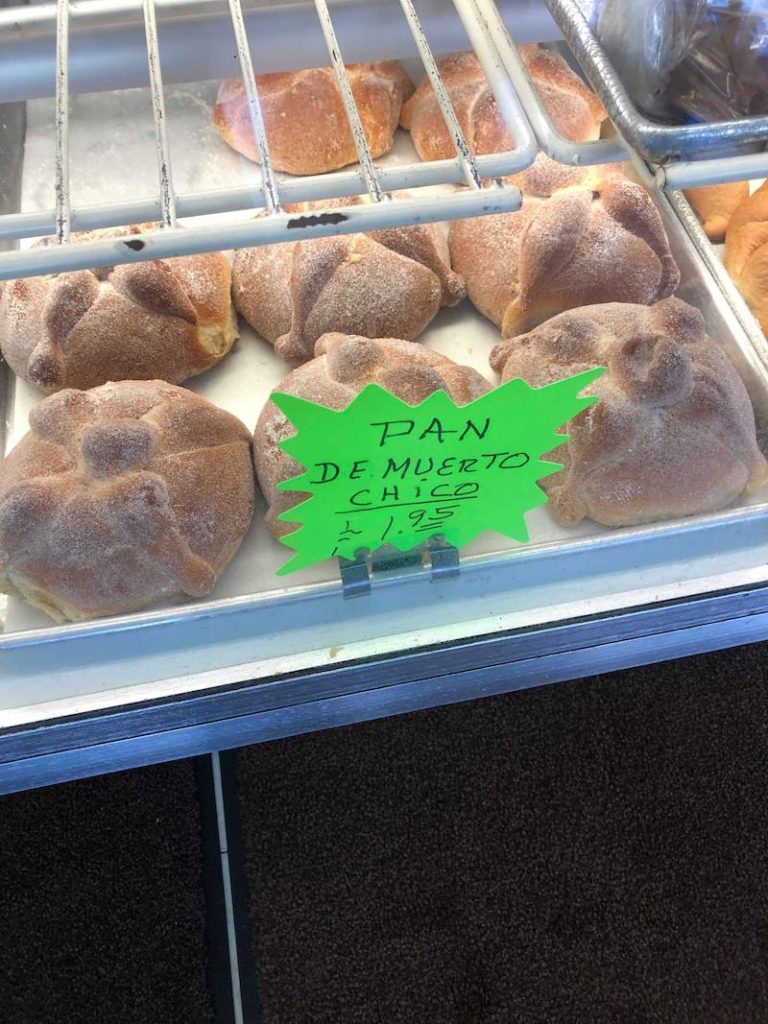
x: 122, y: 497
x: 388, y: 283
x: 305, y: 119
x: 674, y: 431
x: 342, y: 367
x: 166, y: 319
x: 581, y: 237
x: 575, y: 110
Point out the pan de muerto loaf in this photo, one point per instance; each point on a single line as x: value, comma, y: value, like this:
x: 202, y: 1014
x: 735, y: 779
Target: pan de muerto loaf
x: 164, y: 319
x: 674, y: 432
x: 388, y: 283
x: 342, y: 367
x: 122, y: 497
x: 596, y: 237
x: 746, y: 252
x: 304, y: 115
x: 715, y: 205
x: 575, y: 111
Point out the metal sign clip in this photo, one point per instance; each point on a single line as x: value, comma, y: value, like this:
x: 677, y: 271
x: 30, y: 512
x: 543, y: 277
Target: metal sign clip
x: 357, y: 574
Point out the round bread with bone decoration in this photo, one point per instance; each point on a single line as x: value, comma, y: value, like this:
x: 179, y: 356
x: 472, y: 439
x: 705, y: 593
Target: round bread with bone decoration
x: 342, y: 367
x: 581, y: 237
x: 574, y: 109
x: 167, y: 319
x: 123, y: 497
x: 387, y: 283
x: 673, y: 433
x: 305, y: 119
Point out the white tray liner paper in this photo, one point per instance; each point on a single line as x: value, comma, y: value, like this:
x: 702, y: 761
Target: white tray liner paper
x: 119, y: 161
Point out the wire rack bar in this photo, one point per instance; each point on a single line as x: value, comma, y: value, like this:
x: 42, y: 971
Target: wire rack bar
x: 269, y: 190
x: 61, y: 173
x: 314, y: 187
x: 353, y: 117
x: 108, y: 48
x: 463, y: 151
x: 499, y: 81
x: 167, y: 199
x: 256, y: 231
x: 695, y: 173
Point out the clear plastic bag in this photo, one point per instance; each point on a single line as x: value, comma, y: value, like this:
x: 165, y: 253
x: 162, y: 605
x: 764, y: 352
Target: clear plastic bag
x: 689, y: 60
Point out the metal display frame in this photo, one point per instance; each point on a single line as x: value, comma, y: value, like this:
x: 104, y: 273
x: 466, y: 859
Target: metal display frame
x: 249, y: 712
x: 240, y: 707
x: 686, y: 154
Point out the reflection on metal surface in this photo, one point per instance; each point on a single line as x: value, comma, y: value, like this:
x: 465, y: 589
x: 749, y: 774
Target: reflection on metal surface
x: 656, y: 142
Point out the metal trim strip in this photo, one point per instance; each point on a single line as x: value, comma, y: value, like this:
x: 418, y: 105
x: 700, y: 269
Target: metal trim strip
x: 355, y: 693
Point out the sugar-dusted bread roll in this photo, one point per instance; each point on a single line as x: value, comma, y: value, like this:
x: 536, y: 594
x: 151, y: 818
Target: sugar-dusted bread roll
x: 746, y: 252
x: 342, y: 367
x: 545, y: 176
x: 575, y: 110
x: 714, y: 205
x: 160, y: 319
x: 304, y: 115
x: 122, y: 497
x: 387, y: 283
x: 674, y: 432
x: 591, y: 237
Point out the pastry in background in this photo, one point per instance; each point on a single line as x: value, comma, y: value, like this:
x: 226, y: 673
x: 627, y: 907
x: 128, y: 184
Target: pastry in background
x: 122, y: 497
x: 714, y: 205
x: 674, y: 431
x: 342, y: 367
x: 589, y: 236
x: 746, y: 252
x: 574, y: 109
x: 388, y: 283
x: 305, y: 119
x: 166, y: 319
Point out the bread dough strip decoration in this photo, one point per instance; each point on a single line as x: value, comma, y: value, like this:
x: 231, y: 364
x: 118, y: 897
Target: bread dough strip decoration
x: 384, y: 472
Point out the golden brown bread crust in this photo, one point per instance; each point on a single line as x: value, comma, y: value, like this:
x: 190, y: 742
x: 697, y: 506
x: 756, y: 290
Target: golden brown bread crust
x: 594, y: 237
x: 715, y: 204
x: 160, y: 319
x: 575, y: 110
x: 342, y: 367
x: 746, y: 252
x: 674, y: 432
x: 387, y: 283
x: 122, y: 497
x: 545, y: 176
x: 304, y: 116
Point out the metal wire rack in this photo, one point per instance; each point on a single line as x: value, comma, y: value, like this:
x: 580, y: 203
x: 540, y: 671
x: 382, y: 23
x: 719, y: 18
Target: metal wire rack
x: 108, y: 54
x: 266, y: 193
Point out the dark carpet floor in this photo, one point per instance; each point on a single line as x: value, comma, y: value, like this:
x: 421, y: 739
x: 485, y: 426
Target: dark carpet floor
x: 589, y: 853
x: 102, y: 914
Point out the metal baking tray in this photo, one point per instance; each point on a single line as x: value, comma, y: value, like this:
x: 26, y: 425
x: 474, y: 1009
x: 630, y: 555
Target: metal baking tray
x: 658, y: 143
x: 252, y: 628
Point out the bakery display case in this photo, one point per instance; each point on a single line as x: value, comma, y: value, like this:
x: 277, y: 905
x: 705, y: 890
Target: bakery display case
x: 120, y: 146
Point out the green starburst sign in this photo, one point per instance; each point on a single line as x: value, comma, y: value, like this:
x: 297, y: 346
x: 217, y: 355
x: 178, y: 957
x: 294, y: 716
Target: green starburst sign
x: 385, y: 472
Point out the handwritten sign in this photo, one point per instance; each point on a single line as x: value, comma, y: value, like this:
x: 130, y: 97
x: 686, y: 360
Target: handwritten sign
x: 384, y: 472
